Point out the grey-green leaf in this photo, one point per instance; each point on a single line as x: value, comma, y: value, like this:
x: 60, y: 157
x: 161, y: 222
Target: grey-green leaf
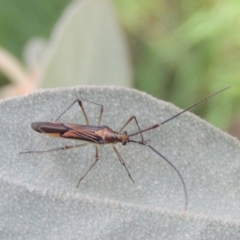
x: 39, y: 198
x: 87, y: 47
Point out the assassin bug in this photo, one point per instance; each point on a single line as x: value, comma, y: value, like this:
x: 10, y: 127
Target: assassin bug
x: 102, y: 134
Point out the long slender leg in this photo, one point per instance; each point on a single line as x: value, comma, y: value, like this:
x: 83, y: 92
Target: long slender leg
x: 57, y: 149
x: 122, y: 161
x: 81, y: 106
x: 83, y: 110
x: 96, y: 160
x: 101, y: 106
x: 128, y: 121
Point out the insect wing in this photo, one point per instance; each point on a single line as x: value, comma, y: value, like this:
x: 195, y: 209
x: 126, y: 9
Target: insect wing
x: 84, y: 133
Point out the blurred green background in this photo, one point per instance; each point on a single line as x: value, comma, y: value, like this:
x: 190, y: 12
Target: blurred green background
x: 181, y: 51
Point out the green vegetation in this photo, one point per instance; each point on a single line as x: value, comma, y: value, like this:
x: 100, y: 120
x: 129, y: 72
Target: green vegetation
x: 181, y: 50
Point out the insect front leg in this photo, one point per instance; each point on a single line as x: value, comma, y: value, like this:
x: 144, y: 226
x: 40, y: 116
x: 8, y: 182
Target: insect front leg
x: 122, y: 161
x: 128, y: 121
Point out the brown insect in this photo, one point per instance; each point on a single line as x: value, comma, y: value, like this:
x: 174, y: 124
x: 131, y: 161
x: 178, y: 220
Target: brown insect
x: 102, y: 134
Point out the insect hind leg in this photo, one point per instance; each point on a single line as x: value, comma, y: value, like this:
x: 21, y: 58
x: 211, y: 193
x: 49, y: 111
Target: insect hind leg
x: 56, y: 149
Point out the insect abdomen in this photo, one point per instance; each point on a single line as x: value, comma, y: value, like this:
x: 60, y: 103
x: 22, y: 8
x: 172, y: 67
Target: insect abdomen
x: 51, y: 129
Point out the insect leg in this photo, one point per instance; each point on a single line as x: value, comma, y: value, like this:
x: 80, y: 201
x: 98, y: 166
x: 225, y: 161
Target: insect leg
x: 56, y: 149
x: 81, y: 106
x: 96, y: 160
x: 101, y: 106
x: 122, y: 161
x: 83, y: 110
x: 128, y: 121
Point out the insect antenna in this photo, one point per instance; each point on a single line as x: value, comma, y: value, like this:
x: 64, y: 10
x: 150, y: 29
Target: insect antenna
x: 171, y: 164
x: 144, y: 130
x: 165, y: 121
x: 183, y: 111
x: 194, y: 105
